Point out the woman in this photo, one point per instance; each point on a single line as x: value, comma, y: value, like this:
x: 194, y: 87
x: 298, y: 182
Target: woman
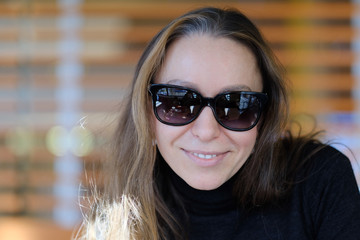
x: 202, y: 149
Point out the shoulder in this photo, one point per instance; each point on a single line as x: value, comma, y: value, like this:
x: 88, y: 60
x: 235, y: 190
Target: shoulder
x: 327, y: 186
x: 307, y: 156
x: 324, y: 161
x: 323, y: 164
x: 323, y: 175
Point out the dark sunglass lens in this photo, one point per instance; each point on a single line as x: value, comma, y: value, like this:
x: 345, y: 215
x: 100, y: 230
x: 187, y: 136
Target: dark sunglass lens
x: 238, y: 111
x: 176, y: 105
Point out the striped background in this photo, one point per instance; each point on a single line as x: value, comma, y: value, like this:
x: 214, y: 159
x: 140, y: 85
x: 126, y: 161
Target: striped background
x: 64, y: 66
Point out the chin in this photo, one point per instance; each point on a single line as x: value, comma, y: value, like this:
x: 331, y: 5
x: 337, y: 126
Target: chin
x: 205, y: 186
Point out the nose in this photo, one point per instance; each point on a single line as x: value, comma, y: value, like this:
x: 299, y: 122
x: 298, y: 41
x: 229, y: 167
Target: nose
x: 205, y: 127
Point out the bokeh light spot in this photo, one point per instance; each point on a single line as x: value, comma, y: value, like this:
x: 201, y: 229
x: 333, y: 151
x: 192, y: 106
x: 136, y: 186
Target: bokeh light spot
x: 82, y: 141
x: 79, y: 141
x: 58, y: 140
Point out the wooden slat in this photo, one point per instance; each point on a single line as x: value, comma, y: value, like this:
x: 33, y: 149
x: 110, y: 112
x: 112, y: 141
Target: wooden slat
x: 40, y: 155
x: 308, y: 33
x: 317, y: 105
x: 321, y: 82
x: 41, y: 178
x: 44, y: 80
x: 140, y: 33
x: 8, y: 178
x: 316, y: 57
x: 127, y: 57
x: 274, y: 33
x: 92, y: 106
x: 12, y: 8
x: 104, y: 80
x: 155, y: 9
x: 44, y: 105
x: 7, y: 61
x: 258, y: 10
x: 40, y: 202
x: 9, y: 81
x: 7, y: 156
x: 10, y: 34
x: 10, y: 203
x: 113, y: 81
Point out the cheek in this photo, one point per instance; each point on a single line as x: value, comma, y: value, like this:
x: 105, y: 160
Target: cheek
x: 165, y: 142
x: 158, y: 129
x: 246, y: 140
x: 169, y: 140
x: 166, y: 135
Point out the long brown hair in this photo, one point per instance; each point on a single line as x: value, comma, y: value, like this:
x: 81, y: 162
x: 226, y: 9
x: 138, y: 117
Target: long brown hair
x: 130, y: 173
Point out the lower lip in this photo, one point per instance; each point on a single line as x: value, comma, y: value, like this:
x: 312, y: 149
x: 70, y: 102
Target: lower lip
x: 205, y: 162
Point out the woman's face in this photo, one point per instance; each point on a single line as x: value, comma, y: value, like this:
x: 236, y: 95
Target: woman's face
x: 203, y: 153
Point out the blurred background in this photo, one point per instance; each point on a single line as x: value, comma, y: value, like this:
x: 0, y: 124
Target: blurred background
x: 64, y: 66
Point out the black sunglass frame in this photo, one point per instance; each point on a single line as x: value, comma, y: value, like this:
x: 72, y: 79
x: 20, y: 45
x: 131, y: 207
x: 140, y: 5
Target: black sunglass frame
x: 210, y: 102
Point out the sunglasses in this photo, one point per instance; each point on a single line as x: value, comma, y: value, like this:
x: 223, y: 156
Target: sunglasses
x: 177, y: 106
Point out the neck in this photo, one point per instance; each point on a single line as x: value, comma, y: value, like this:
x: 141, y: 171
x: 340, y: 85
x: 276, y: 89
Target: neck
x: 205, y: 202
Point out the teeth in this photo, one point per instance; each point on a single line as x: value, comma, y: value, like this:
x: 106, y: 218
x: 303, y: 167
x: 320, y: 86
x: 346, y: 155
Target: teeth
x: 205, y: 156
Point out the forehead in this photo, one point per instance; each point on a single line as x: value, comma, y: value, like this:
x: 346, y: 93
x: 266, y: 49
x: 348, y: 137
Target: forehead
x: 210, y: 64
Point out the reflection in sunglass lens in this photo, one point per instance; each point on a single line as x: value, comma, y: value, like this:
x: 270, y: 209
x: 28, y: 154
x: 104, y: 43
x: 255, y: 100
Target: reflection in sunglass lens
x: 177, y: 106
x: 238, y: 111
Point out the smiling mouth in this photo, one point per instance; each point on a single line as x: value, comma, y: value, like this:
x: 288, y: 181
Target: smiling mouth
x: 205, y: 159
x: 204, y: 156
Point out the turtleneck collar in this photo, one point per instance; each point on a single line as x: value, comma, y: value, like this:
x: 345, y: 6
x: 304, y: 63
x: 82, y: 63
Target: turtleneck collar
x: 205, y: 202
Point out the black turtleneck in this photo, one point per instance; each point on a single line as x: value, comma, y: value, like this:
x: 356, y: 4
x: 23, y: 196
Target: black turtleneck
x: 211, y: 214
x: 325, y: 205
x: 205, y: 203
